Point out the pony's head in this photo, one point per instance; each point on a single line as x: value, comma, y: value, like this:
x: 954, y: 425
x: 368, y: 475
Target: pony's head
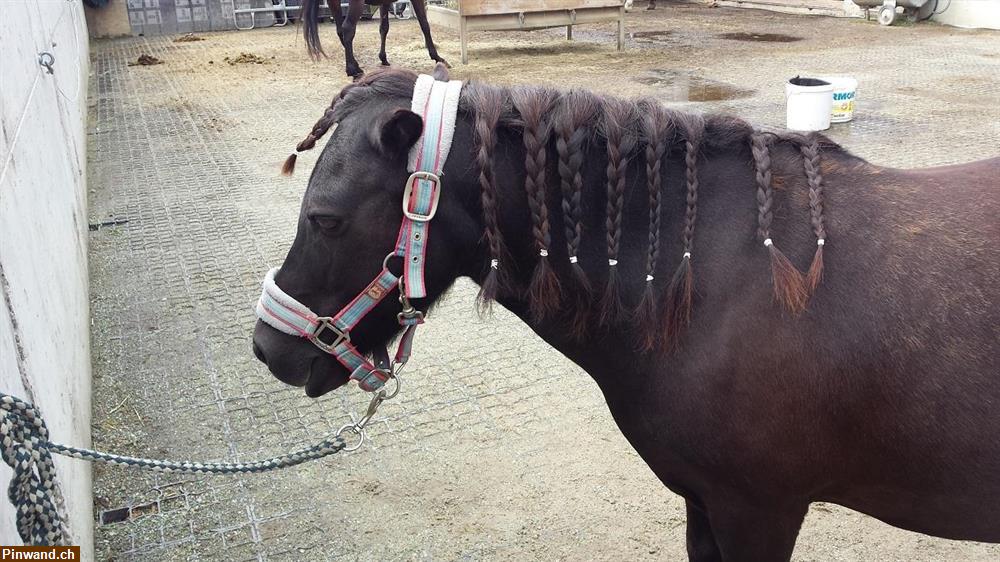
x: 348, y: 224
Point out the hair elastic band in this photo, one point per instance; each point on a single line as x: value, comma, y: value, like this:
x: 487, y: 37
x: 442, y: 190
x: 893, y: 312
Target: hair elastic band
x: 573, y: 259
x: 687, y: 255
x: 649, y: 278
x: 820, y: 242
x: 767, y: 242
x: 543, y: 252
x: 495, y: 263
x: 612, y: 262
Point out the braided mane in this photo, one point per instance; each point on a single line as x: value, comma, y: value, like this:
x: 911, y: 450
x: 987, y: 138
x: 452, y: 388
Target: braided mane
x: 571, y: 123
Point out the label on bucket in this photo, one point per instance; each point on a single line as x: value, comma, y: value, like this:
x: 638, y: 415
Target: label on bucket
x: 843, y: 107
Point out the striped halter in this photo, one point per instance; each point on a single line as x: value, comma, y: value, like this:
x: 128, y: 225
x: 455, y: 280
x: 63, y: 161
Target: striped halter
x: 437, y: 103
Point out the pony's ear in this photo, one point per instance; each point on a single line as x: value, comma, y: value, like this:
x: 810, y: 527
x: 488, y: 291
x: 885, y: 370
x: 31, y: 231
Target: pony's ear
x: 440, y: 72
x: 397, y: 131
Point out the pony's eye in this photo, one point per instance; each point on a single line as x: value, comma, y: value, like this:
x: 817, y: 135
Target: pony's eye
x: 327, y: 222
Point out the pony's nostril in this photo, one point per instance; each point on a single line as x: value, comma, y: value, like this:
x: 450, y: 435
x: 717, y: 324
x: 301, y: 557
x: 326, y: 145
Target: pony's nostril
x: 257, y: 351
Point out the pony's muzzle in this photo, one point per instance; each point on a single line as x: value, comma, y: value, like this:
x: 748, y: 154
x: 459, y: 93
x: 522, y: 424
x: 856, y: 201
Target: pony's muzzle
x: 259, y: 353
x: 296, y: 362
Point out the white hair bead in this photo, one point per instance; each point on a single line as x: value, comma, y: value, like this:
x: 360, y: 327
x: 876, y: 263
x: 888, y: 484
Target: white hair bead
x: 543, y: 252
x: 573, y: 259
x: 767, y: 242
x: 495, y: 263
x: 612, y: 263
x: 649, y: 278
x: 820, y: 242
x: 687, y: 255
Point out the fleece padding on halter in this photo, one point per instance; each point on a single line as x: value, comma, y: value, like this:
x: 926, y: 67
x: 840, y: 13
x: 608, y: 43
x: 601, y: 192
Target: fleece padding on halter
x: 282, y: 312
x: 437, y: 104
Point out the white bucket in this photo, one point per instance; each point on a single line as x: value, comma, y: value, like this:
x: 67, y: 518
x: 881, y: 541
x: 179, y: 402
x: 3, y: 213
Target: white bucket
x: 845, y: 89
x: 809, y: 104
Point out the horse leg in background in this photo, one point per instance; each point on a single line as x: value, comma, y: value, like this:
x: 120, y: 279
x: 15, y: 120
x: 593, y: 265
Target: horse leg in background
x: 349, y: 26
x: 420, y: 10
x: 338, y: 19
x: 701, y: 546
x: 383, y: 31
x: 749, y: 532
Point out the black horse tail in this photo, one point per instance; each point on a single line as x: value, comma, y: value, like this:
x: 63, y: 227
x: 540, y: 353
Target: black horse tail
x: 310, y: 27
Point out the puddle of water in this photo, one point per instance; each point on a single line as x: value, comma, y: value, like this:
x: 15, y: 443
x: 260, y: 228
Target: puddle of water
x: 674, y: 85
x: 763, y: 37
x: 652, y: 35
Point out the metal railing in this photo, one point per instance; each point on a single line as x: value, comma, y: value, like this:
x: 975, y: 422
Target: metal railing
x: 401, y: 10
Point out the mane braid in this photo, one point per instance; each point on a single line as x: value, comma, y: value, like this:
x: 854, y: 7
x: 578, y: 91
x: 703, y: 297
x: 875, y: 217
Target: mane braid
x: 534, y: 104
x: 789, y: 286
x: 617, y: 116
x: 810, y: 156
x: 577, y: 109
x: 680, y: 292
x: 488, y: 104
x: 654, y: 126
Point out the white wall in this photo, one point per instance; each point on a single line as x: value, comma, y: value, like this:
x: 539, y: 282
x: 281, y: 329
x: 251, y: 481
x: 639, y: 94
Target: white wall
x: 44, y: 309
x: 969, y: 13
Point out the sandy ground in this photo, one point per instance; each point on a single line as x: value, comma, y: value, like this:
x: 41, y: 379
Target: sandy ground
x: 479, y: 458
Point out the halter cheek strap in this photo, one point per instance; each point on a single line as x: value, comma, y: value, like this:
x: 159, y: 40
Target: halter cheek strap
x: 437, y: 103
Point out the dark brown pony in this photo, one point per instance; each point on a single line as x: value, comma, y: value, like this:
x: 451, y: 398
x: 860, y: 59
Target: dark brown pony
x: 346, y: 28
x: 750, y: 388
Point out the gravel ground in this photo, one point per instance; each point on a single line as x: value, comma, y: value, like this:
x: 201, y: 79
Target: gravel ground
x: 477, y: 459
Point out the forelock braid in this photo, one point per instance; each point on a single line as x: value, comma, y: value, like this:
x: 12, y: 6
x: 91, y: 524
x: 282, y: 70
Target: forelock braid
x: 810, y: 156
x: 680, y: 293
x: 488, y: 104
x: 321, y: 127
x: 618, y: 118
x: 655, y: 125
x: 533, y: 105
x: 789, y: 287
x: 576, y: 112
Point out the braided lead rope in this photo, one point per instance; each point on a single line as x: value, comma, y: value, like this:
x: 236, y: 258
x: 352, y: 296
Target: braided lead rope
x: 25, y: 447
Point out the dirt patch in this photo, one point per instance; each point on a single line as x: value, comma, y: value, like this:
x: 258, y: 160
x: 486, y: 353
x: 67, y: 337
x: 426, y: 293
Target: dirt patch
x: 145, y: 60
x: 760, y: 37
x: 246, y: 58
x: 188, y: 38
x: 682, y: 86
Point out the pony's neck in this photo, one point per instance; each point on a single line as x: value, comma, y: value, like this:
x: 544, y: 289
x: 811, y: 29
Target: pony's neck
x: 721, y: 230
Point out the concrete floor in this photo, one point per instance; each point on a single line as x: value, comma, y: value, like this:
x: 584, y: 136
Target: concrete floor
x: 477, y: 459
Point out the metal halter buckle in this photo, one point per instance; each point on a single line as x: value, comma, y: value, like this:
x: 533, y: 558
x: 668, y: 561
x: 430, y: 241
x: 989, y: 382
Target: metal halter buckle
x: 326, y: 323
x: 435, y: 196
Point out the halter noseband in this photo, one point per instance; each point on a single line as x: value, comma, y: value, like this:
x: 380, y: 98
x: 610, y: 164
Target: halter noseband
x: 437, y: 103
